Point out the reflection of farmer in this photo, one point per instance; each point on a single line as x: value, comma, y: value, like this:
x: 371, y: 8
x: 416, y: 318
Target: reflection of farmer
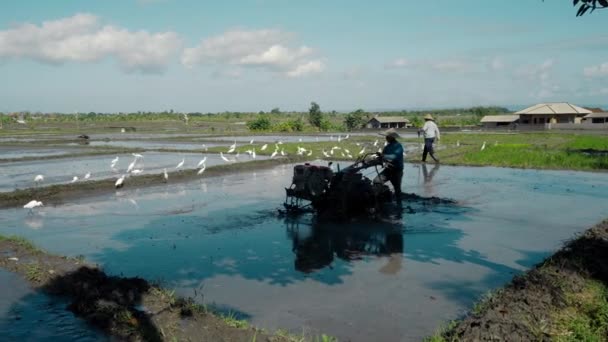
x: 393, y: 154
x: 431, y: 132
x: 428, y: 178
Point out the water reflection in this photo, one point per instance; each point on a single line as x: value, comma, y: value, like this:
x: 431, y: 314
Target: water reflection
x: 316, y: 245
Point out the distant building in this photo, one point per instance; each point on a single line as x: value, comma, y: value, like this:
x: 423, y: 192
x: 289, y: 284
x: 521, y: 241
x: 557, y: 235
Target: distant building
x: 596, y: 118
x: 552, y: 113
x: 491, y: 121
x: 388, y: 122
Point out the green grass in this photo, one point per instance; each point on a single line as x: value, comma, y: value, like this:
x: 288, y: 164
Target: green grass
x: 524, y: 150
x: 33, y: 273
x: 231, y: 320
x: 586, y: 316
x: 21, y: 242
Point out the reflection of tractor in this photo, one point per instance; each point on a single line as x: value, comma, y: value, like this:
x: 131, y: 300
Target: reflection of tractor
x: 343, y: 194
x: 318, y: 245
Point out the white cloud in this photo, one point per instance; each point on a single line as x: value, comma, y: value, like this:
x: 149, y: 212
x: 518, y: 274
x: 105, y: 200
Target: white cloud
x: 397, y: 63
x: 311, y: 67
x: 596, y: 70
x: 81, y: 38
x: 267, y: 50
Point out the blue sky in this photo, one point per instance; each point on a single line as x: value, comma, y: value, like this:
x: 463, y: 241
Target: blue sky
x: 211, y: 56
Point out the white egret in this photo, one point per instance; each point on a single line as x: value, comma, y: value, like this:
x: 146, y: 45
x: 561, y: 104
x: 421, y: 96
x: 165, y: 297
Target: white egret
x: 339, y: 138
x: 309, y: 153
x: 347, y: 136
x: 376, y: 142
x: 201, y: 162
x: 274, y: 154
x: 87, y: 176
x: 347, y: 151
x: 200, y: 172
x: 224, y: 158
x: 279, y: 142
x: 137, y: 155
x: 283, y: 152
x: 131, y: 166
x: 325, y: 154
x: 136, y: 172
x: 457, y: 143
x: 165, y: 175
x: 232, y: 147
x: 120, y: 182
x: 205, y: 148
x: 483, y: 146
x: 32, y: 204
x: 251, y: 142
x: 180, y: 164
x: 75, y: 179
x: 300, y: 140
x: 253, y: 154
x: 38, y: 179
x: 362, y: 151
x: 264, y: 147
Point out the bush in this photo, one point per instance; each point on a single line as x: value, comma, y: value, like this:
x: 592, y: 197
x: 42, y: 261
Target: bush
x: 262, y: 123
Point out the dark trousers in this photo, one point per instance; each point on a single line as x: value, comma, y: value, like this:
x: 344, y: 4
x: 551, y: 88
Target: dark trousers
x: 392, y: 175
x: 428, y: 149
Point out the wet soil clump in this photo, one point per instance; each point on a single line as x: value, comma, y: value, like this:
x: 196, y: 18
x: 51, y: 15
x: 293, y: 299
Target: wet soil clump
x: 129, y: 309
x: 548, y: 302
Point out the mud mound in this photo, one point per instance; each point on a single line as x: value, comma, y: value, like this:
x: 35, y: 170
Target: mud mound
x: 525, y: 309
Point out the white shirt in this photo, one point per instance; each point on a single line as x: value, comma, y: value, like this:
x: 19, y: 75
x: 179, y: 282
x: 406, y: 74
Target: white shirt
x: 430, y: 130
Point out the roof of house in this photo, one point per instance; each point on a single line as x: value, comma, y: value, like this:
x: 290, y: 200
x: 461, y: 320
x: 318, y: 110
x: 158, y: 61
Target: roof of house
x: 388, y: 119
x: 596, y: 109
x: 554, y: 108
x: 500, y: 118
x: 596, y: 115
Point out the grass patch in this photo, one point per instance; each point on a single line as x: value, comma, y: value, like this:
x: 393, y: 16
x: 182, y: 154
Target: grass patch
x: 21, y: 242
x: 586, y: 317
x: 439, y: 335
x: 232, y: 321
x: 33, y: 273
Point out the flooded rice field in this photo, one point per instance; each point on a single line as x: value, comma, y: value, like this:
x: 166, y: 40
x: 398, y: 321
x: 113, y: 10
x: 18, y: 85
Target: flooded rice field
x: 221, y: 241
x: 156, y: 145
x: 10, y: 152
x: 19, y: 175
x: 27, y: 315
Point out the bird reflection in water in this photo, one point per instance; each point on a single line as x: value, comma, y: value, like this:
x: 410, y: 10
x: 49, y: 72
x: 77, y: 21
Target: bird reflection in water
x: 317, y: 244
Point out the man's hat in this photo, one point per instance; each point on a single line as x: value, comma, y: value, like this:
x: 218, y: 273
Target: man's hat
x: 428, y: 117
x: 390, y: 133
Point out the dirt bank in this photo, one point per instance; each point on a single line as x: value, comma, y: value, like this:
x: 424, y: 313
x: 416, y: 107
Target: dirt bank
x: 129, y: 309
x: 60, y: 193
x: 563, y: 298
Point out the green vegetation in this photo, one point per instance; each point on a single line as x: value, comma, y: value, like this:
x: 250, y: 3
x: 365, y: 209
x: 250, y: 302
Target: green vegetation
x: 315, y: 117
x: 524, y: 150
x: 21, y: 242
x: 585, y: 318
x: 231, y: 320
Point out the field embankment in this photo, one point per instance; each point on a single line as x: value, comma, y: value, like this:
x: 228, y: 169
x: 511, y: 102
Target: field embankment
x: 565, y: 298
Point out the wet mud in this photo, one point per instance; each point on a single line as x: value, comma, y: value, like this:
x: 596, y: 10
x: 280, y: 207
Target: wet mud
x: 60, y: 193
x: 524, y: 309
x: 129, y: 309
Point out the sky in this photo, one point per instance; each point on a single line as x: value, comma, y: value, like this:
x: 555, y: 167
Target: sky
x: 254, y: 55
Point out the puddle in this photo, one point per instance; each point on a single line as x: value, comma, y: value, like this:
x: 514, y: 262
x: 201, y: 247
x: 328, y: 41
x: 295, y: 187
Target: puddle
x: 21, y: 175
x: 27, y: 315
x: 397, y: 279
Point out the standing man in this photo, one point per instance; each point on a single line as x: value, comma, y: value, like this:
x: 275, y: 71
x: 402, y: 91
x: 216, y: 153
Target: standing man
x: 393, y: 155
x: 431, y: 132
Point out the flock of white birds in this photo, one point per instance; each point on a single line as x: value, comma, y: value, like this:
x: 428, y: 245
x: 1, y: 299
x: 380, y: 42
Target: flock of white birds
x: 136, y: 168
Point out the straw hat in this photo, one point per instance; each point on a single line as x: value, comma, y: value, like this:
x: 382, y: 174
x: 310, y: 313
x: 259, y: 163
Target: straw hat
x: 390, y: 133
x: 428, y: 117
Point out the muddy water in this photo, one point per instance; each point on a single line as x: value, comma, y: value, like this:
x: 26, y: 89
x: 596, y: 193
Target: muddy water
x: 21, y: 174
x: 27, y: 315
x: 220, y: 240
